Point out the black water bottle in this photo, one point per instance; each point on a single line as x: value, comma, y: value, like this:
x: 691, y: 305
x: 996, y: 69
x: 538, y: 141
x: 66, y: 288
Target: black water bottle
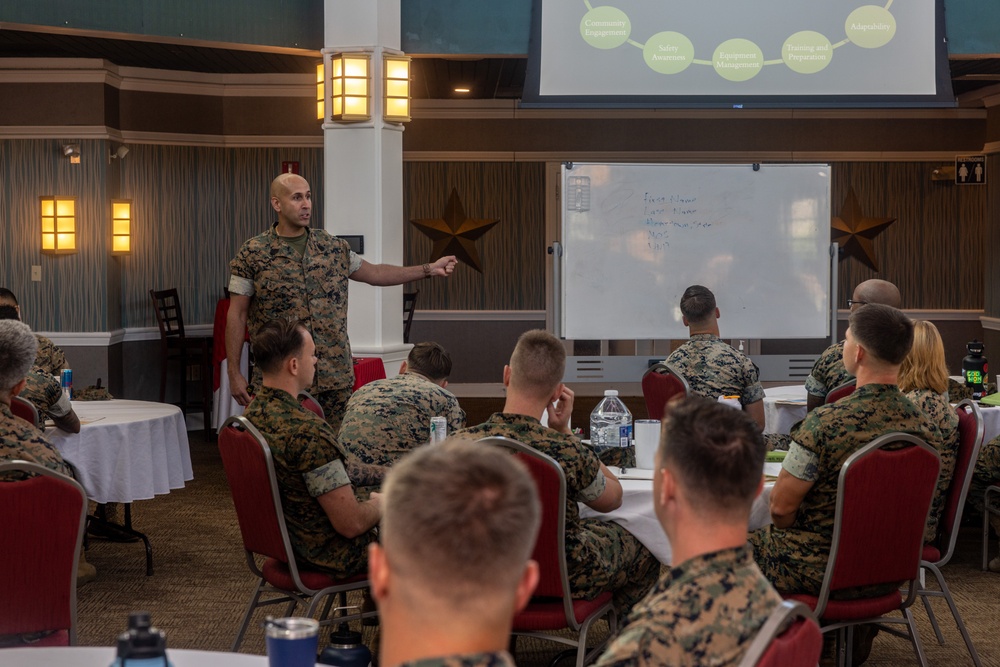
x: 975, y: 369
x: 141, y: 645
x: 345, y: 649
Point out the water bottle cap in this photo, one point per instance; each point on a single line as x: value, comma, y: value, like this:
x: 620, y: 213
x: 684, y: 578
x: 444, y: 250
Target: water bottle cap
x: 610, y: 392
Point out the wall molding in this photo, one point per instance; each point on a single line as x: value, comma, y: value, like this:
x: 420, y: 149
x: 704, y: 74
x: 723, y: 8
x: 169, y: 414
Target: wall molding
x: 941, y: 315
x: 479, y: 315
x: 990, y: 323
x: 109, y: 338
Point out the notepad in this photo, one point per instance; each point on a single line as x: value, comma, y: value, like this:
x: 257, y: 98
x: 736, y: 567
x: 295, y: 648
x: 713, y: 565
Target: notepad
x: 777, y: 456
x: 992, y: 399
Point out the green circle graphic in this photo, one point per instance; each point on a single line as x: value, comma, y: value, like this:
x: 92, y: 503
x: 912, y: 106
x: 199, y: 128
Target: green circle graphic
x: 870, y: 26
x: 737, y: 60
x: 807, y: 52
x: 605, y: 27
x: 668, y: 52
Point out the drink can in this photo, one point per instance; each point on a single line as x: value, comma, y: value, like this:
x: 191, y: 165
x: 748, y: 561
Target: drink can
x: 67, y: 382
x: 439, y: 429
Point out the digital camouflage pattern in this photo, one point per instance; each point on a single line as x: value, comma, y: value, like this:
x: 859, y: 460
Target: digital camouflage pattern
x: 50, y: 359
x: 958, y: 391
x: 828, y: 372
x: 713, y: 368
x: 21, y: 440
x: 385, y: 419
x: 308, y: 462
x: 45, y: 393
x: 938, y: 410
x: 312, y: 288
x: 600, y: 555
x: 986, y: 473
x: 498, y: 659
x: 705, y: 611
x: 794, y: 559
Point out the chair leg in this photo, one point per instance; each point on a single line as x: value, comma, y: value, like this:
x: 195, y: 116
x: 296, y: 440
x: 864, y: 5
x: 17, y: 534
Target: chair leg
x: 164, y: 366
x: 246, y: 617
x: 932, y: 617
x: 946, y: 594
x: 986, y: 537
x: 918, y: 647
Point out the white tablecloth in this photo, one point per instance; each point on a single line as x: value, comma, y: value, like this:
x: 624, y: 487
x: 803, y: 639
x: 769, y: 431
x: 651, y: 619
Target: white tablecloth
x: 127, y: 450
x: 783, y: 407
x: 636, y: 514
x: 102, y: 656
x: 224, y: 405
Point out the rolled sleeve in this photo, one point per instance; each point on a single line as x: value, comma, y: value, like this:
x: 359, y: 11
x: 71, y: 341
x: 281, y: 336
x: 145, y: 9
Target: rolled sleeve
x: 594, y: 489
x: 240, y: 285
x: 61, y: 407
x: 328, y: 477
x: 801, y: 463
x: 815, y: 388
x: 355, y: 262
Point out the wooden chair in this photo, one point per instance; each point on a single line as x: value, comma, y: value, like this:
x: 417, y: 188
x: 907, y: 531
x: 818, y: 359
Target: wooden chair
x: 175, y: 346
x: 409, y: 305
x: 660, y: 383
x: 26, y: 410
x: 789, y: 638
x: 42, y: 520
x: 553, y: 608
x: 246, y: 459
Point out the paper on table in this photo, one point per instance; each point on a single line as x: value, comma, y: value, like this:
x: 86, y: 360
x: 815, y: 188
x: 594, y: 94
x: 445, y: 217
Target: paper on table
x: 790, y: 401
x: 635, y: 473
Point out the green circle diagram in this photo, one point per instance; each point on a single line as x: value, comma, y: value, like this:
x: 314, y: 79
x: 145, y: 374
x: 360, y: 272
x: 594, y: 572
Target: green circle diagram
x: 737, y: 60
x: 807, y: 52
x: 605, y: 27
x: 668, y: 52
x: 870, y: 26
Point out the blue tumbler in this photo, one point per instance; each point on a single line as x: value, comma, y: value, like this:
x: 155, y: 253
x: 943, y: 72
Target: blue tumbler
x: 291, y: 641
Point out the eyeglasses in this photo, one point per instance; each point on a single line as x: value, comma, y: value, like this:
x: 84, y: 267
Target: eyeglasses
x: 856, y: 302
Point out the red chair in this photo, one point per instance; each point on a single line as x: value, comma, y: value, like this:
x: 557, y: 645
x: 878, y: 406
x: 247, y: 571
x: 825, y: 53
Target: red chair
x: 839, y: 392
x: 254, y: 487
x: 660, y: 383
x: 789, y: 638
x: 878, y: 535
x: 970, y: 439
x: 553, y: 607
x: 42, y: 520
x: 309, y: 402
x: 26, y: 410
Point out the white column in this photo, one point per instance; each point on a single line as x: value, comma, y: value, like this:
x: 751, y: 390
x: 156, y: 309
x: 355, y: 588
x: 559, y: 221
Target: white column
x: 363, y: 184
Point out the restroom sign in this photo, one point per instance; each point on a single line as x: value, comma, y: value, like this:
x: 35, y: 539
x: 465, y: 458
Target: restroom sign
x: 970, y: 170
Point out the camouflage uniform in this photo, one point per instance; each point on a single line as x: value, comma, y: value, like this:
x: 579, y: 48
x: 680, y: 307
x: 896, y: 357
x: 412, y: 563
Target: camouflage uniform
x: 794, y: 559
x: 600, y: 555
x: 45, y: 393
x: 50, y: 359
x: 497, y: 659
x: 308, y: 463
x: 705, y: 611
x: 828, y: 372
x: 985, y: 474
x: 21, y: 440
x: 387, y: 418
x: 312, y: 288
x: 938, y: 410
x: 713, y: 368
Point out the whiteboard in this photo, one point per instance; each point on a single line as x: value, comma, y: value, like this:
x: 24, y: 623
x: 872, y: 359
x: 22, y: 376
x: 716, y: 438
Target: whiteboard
x: 635, y: 236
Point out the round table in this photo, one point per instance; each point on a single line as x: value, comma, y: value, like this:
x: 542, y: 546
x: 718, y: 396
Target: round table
x: 783, y: 408
x: 102, y: 656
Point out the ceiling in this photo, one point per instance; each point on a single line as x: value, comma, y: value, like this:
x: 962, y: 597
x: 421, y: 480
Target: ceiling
x: 433, y: 77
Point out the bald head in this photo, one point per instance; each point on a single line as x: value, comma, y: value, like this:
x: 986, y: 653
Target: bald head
x: 286, y: 183
x: 878, y: 291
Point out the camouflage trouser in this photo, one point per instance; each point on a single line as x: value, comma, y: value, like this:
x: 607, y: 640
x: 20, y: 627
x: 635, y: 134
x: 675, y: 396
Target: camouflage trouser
x: 780, y: 441
x: 334, y: 401
x: 986, y: 473
x: 624, y: 566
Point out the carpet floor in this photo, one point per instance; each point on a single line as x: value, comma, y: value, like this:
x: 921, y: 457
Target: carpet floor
x: 201, y: 584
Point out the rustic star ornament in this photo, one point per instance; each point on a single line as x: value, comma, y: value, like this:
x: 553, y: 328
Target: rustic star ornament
x: 454, y: 233
x: 856, y: 232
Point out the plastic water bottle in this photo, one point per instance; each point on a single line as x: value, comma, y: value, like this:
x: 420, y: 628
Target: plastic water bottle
x: 610, y: 423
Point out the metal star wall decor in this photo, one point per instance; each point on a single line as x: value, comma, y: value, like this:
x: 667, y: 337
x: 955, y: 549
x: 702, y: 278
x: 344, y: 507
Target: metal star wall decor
x: 856, y: 232
x: 454, y: 233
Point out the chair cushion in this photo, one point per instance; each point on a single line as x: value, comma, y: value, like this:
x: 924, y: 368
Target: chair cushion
x: 548, y: 614
x: 931, y: 554
x: 278, y: 575
x: 851, y: 610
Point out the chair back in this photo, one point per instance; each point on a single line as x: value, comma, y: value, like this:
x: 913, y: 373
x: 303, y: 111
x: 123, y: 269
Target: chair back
x: 789, y: 638
x: 246, y: 459
x: 839, y: 392
x: 26, y: 410
x: 42, y: 520
x: 660, y: 383
x: 550, y: 547
x: 167, y: 307
x: 309, y: 402
x: 878, y: 532
x: 971, y: 432
x: 409, y: 305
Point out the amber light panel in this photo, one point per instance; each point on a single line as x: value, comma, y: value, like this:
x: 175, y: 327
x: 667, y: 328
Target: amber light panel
x: 350, y: 87
x: 320, y: 93
x: 121, y: 226
x: 58, y: 217
x: 396, y: 89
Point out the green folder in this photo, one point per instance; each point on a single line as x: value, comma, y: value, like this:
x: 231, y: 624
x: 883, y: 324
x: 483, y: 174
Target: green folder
x: 992, y: 399
x: 776, y: 456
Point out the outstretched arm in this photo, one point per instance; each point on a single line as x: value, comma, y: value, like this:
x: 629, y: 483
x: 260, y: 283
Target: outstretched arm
x: 382, y: 275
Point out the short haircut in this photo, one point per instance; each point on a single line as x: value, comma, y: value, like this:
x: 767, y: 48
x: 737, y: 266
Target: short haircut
x: 6, y: 296
x: 878, y: 291
x: 276, y: 341
x: 716, y: 452
x: 18, y: 347
x: 697, y: 304
x: 883, y: 331
x: 459, y: 518
x: 924, y: 367
x: 430, y: 360
x: 537, y: 364
x: 8, y: 312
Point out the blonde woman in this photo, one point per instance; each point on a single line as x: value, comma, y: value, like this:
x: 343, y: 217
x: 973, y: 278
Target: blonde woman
x: 923, y: 377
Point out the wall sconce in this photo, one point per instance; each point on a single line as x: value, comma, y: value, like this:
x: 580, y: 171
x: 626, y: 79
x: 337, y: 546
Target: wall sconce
x: 118, y: 153
x: 350, y: 87
x: 72, y: 151
x: 58, y: 225
x: 396, y: 88
x: 121, y: 226
x: 320, y: 93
